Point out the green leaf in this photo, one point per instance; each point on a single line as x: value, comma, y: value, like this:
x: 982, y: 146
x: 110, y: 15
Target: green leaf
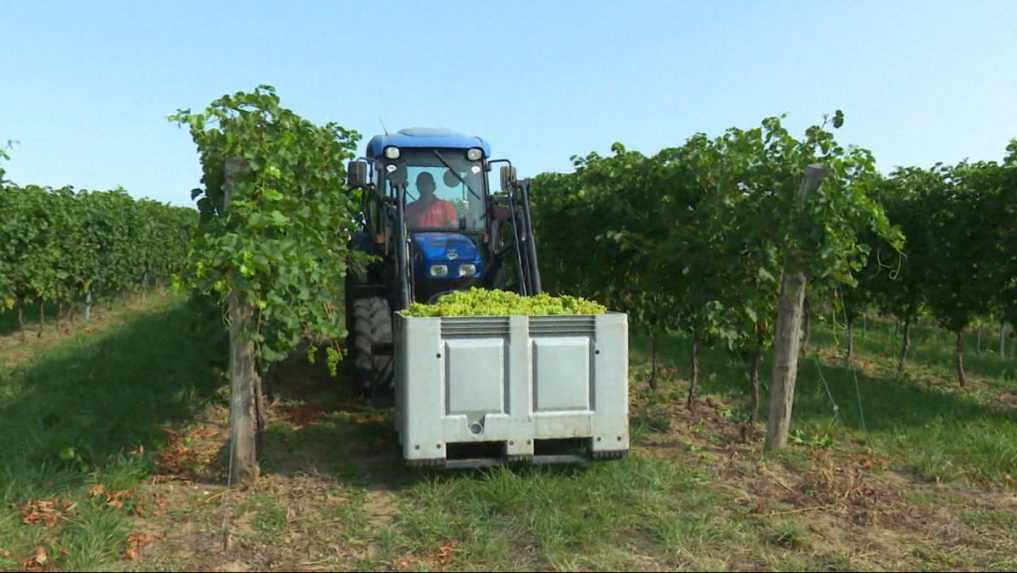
x: 278, y: 219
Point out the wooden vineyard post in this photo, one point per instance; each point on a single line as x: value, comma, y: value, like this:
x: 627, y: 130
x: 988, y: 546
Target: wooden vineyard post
x: 851, y: 340
x: 788, y: 336
x: 244, y: 381
x: 961, y: 375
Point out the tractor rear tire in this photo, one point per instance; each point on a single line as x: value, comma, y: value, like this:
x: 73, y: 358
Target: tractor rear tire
x: 372, y: 325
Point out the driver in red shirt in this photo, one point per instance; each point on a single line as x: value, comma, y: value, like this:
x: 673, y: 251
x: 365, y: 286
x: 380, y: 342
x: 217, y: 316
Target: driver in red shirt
x: 430, y: 212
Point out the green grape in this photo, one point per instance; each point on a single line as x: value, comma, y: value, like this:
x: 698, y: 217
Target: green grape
x: 334, y: 357
x: 480, y: 302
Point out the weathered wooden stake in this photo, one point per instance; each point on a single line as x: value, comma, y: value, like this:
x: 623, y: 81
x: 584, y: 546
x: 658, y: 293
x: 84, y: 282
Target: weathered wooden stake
x: 757, y: 355
x: 788, y: 336
x: 807, y: 330
x: 653, y: 362
x: 907, y: 346
x: 851, y: 340
x: 962, y: 377
x: 244, y: 379
x: 243, y: 402
x: 690, y: 403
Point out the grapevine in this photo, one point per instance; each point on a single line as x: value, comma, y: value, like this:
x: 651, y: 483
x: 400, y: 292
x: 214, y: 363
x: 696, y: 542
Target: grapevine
x: 65, y: 246
x: 280, y: 244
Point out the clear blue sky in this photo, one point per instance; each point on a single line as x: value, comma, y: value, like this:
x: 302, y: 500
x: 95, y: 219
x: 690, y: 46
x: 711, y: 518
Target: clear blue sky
x: 85, y: 87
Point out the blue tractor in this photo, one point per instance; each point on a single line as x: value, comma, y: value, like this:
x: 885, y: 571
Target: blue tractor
x: 435, y: 225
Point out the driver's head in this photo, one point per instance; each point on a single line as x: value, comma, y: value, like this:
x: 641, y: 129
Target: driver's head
x: 425, y: 184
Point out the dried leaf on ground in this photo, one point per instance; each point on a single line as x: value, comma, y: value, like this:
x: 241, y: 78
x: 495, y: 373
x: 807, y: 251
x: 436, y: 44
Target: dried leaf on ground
x: 161, y: 503
x: 135, y: 542
x: 438, y: 559
x: 115, y: 499
x: 45, y: 512
x: 444, y: 556
x: 37, y: 560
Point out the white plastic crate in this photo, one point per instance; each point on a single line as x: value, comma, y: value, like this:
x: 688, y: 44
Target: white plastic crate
x: 512, y: 384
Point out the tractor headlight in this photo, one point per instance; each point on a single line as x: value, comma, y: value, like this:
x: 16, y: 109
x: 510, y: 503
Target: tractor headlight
x: 467, y: 270
x: 392, y: 152
x: 474, y: 153
x: 439, y: 271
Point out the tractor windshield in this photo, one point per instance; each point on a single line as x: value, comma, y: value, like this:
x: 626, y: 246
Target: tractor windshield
x: 444, y: 190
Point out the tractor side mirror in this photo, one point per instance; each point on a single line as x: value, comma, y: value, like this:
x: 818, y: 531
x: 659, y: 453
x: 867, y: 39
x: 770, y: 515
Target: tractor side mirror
x: 508, y: 177
x: 356, y: 174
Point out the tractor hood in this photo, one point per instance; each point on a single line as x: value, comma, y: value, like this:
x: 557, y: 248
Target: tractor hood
x: 450, y: 248
x: 445, y: 258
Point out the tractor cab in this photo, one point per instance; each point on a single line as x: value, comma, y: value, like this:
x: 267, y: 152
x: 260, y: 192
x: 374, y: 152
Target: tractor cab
x: 444, y: 178
x: 434, y: 225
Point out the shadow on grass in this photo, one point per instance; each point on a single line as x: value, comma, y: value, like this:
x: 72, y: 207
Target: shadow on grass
x: 30, y: 316
x: 322, y: 425
x: 936, y: 430
x: 933, y: 348
x: 77, y: 411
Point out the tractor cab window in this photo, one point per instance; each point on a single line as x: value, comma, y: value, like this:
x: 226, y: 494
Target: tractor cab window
x: 444, y: 190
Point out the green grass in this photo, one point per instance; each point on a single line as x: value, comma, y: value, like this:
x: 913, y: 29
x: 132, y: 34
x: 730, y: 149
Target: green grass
x: 923, y: 420
x: 787, y: 534
x: 71, y: 417
x: 270, y: 517
x: 991, y: 518
x: 334, y: 494
x: 564, y: 518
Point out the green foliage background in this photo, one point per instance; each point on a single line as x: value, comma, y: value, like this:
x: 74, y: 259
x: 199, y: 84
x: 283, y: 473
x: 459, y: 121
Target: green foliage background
x: 61, y: 245
x: 693, y: 239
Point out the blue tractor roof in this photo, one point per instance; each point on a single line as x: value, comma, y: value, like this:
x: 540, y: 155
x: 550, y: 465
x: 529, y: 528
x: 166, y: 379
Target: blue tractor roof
x: 425, y: 137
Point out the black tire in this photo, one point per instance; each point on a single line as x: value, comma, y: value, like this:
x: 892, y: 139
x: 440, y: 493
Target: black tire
x: 372, y: 325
